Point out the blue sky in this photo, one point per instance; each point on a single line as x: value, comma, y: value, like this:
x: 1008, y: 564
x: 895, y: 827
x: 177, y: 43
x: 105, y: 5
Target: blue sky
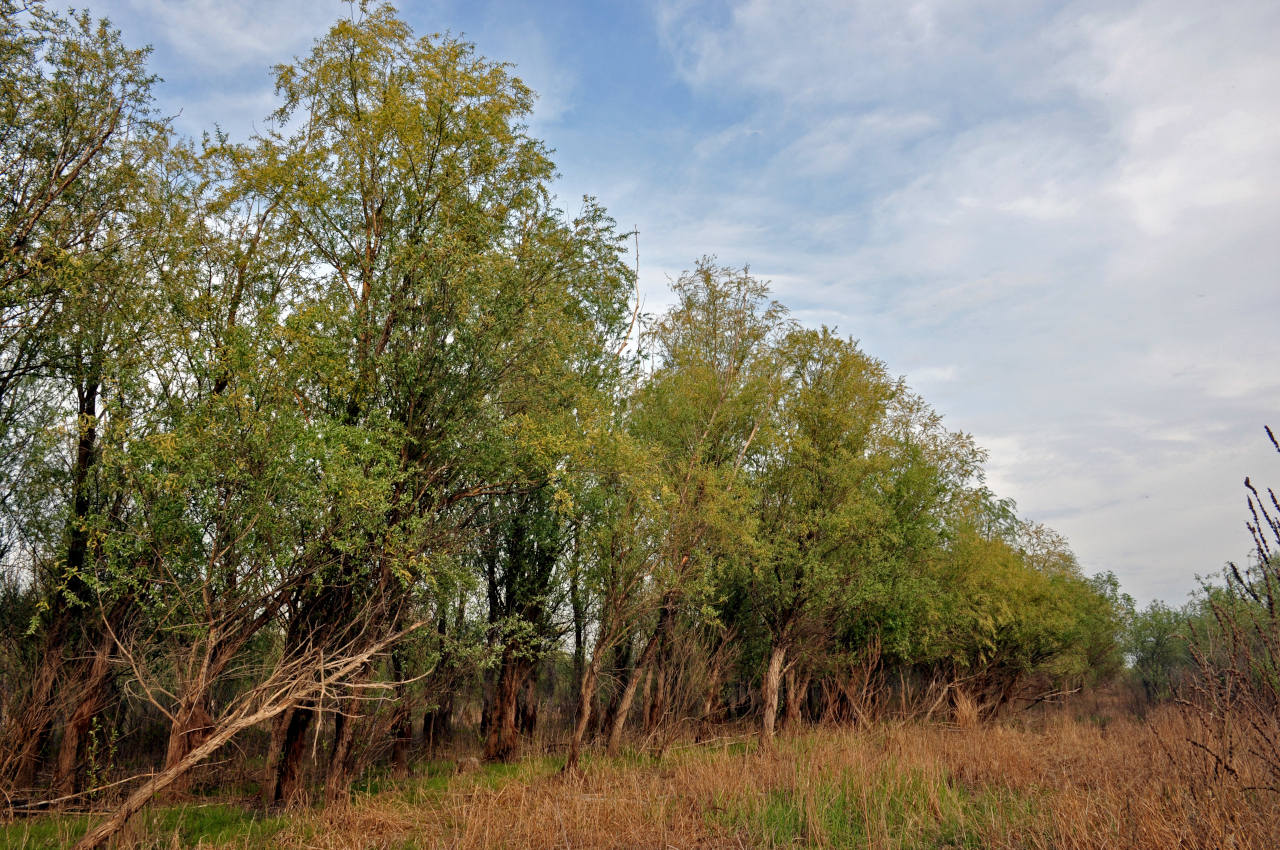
x: 1058, y: 220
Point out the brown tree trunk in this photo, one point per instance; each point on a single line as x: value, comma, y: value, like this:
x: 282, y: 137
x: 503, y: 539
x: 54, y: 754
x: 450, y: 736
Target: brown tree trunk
x: 339, y: 772
x: 102, y: 833
x: 401, y: 738
x: 28, y: 737
x: 769, y: 691
x: 527, y: 703
x: 629, y: 689
x: 710, y: 703
x: 658, y: 699
x: 437, y: 724
x: 586, y: 696
x: 284, y: 758
x: 191, y: 725
x: 401, y: 725
x: 93, y: 698
x: 502, y: 740
x: 29, y: 731
x: 797, y: 689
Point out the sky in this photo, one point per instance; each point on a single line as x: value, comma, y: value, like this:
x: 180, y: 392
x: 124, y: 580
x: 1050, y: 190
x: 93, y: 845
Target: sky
x: 1060, y: 221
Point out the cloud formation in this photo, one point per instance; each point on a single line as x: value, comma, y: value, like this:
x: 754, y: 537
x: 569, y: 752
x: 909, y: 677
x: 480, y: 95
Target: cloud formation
x: 1054, y: 218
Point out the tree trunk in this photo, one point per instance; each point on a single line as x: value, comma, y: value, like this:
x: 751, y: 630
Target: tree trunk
x: 579, y: 607
x: 99, y: 835
x: 339, y: 772
x: 710, y: 702
x: 401, y: 738
x: 29, y: 731
x: 797, y: 690
x: 191, y: 725
x: 437, y: 724
x: 586, y: 696
x: 401, y: 724
x: 28, y: 737
x: 658, y: 699
x: 93, y: 698
x: 619, y: 666
x: 769, y: 691
x: 502, y: 740
x: 527, y: 703
x: 633, y: 682
x: 284, y: 759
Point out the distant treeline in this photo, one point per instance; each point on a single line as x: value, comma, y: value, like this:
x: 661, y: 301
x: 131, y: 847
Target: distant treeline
x: 337, y: 441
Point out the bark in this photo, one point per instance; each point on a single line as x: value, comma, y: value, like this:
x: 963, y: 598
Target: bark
x: 27, y: 738
x: 278, y: 698
x: 578, y: 604
x: 401, y: 738
x: 94, y: 695
x: 658, y: 700
x: 437, y: 724
x: 830, y: 697
x: 284, y: 759
x: 527, y: 704
x: 342, y: 758
x: 633, y: 682
x: 586, y: 696
x: 27, y: 734
x: 401, y: 725
x: 797, y: 690
x: 710, y: 702
x: 502, y: 741
x: 769, y: 691
x: 99, y: 835
x: 620, y: 664
x: 191, y: 725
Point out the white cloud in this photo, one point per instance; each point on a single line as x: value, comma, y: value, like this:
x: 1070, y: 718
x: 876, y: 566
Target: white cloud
x: 220, y: 33
x: 1079, y: 217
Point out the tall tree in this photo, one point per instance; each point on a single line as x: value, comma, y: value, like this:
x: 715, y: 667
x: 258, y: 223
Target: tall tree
x: 702, y: 409
x: 452, y: 301
x: 820, y: 525
x: 76, y: 145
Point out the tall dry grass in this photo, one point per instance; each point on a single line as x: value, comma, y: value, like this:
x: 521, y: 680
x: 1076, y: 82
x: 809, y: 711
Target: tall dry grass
x: 1056, y: 782
x: 1070, y: 779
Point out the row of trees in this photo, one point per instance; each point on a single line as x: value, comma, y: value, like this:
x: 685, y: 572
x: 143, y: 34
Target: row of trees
x: 338, y: 433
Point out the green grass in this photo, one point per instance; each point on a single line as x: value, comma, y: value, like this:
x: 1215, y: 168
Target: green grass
x: 893, y: 807
x: 163, y: 827
x: 43, y: 831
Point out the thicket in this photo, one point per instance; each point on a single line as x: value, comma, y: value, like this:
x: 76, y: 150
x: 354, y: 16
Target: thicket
x: 345, y: 441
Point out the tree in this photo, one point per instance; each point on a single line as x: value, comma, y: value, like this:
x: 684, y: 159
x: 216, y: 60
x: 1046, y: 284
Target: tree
x: 75, y: 150
x: 452, y: 304
x: 701, y: 408
x: 819, y: 522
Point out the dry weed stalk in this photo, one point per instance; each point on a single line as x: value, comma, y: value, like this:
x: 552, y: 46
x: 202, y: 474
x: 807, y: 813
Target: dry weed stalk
x: 1235, y: 699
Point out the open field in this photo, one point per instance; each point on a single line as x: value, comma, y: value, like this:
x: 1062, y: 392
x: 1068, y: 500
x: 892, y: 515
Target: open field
x: 1055, y: 781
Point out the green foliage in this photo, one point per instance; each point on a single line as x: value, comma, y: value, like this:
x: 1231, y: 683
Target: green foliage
x: 288, y: 396
x: 1159, y: 650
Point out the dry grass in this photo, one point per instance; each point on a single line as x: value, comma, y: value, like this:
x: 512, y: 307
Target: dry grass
x: 1056, y: 782
x: 1060, y: 783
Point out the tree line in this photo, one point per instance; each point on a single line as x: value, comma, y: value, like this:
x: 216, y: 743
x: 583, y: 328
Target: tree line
x: 346, y: 440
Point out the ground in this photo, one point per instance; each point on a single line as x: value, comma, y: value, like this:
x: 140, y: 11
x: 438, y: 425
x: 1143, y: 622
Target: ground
x: 1050, y: 780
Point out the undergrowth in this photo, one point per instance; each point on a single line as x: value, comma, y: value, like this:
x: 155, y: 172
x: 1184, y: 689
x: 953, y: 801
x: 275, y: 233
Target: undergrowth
x: 1056, y: 782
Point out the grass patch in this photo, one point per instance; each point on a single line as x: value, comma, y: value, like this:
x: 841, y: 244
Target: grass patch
x: 43, y: 831
x: 893, y: 806
x: 164, y: 827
